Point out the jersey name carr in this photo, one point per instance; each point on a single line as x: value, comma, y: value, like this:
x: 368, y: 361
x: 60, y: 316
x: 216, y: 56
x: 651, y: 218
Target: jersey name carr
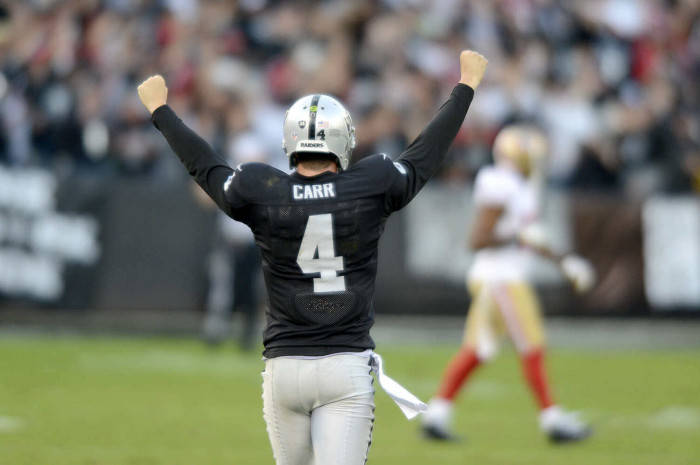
x: 313, y: 191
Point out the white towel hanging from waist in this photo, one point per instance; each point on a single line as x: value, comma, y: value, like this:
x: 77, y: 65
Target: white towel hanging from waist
x: 409, y: 404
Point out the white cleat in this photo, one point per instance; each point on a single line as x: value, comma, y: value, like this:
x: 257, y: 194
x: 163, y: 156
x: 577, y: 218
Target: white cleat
x: 436, y: 422
x: 562, y: 426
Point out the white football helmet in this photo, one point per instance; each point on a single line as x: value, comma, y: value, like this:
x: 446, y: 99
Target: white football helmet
x: 318, y: 123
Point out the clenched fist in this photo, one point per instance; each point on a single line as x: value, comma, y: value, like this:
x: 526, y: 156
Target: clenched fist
x: 153, y: 93
x: 472, y: 66
x: 579, y: 272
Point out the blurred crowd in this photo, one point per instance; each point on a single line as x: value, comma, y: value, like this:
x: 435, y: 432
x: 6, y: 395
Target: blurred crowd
x: 614, y: 83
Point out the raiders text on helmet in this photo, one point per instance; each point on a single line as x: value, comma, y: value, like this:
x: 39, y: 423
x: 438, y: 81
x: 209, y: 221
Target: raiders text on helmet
x: 318, y: 124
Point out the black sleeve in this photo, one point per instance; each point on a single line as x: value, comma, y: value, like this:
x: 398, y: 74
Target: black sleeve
x: 207, y: 168
x: 421, y: 160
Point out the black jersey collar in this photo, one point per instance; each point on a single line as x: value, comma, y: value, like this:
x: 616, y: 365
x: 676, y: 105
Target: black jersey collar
x: 324, y: 175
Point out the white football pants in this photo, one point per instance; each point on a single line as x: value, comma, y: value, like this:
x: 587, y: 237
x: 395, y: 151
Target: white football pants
x: 319, y: 411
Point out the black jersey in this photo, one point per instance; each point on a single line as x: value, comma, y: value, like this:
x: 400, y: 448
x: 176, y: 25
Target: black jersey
x: 318, y: 235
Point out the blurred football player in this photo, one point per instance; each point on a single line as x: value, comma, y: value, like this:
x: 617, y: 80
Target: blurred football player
x: 234, y: 265
x: 318, y: 230
x: 506, y: 235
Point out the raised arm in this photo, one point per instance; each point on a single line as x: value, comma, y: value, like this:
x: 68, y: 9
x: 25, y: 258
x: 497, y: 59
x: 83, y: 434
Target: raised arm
x: 421, y: 160
x: 207, y: 168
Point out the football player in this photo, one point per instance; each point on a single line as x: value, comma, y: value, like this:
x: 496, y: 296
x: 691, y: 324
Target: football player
x: 506, y: 235
x: 318, y: 230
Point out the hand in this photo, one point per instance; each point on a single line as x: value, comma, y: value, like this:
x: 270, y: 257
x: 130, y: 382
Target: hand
x: 472, y: 65
x: 153, y: 93
x: 579, y: 272
x: 534, y: 235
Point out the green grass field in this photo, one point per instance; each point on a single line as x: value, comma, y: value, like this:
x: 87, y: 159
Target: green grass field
x: 143, y: 401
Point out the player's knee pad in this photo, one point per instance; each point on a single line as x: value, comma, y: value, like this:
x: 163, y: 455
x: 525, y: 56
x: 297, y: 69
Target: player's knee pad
x: 484, y: 349
x: 485, y: 344
x: 531, y: 351
x: 486, y: 353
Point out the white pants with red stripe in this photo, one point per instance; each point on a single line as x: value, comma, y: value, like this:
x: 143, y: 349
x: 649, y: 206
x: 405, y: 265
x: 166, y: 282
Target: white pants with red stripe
x: 319, y: 410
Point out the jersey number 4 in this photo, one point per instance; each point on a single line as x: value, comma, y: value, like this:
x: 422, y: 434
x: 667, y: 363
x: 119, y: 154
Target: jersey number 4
x: 317, y: 254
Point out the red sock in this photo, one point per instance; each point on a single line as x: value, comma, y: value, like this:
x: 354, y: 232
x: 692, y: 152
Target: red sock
x: 459, y: 368
x: 533, y: 369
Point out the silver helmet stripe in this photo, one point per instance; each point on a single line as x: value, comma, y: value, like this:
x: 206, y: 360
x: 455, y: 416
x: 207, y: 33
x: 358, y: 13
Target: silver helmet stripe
x: 313, y: 110
x: 331, y: 132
